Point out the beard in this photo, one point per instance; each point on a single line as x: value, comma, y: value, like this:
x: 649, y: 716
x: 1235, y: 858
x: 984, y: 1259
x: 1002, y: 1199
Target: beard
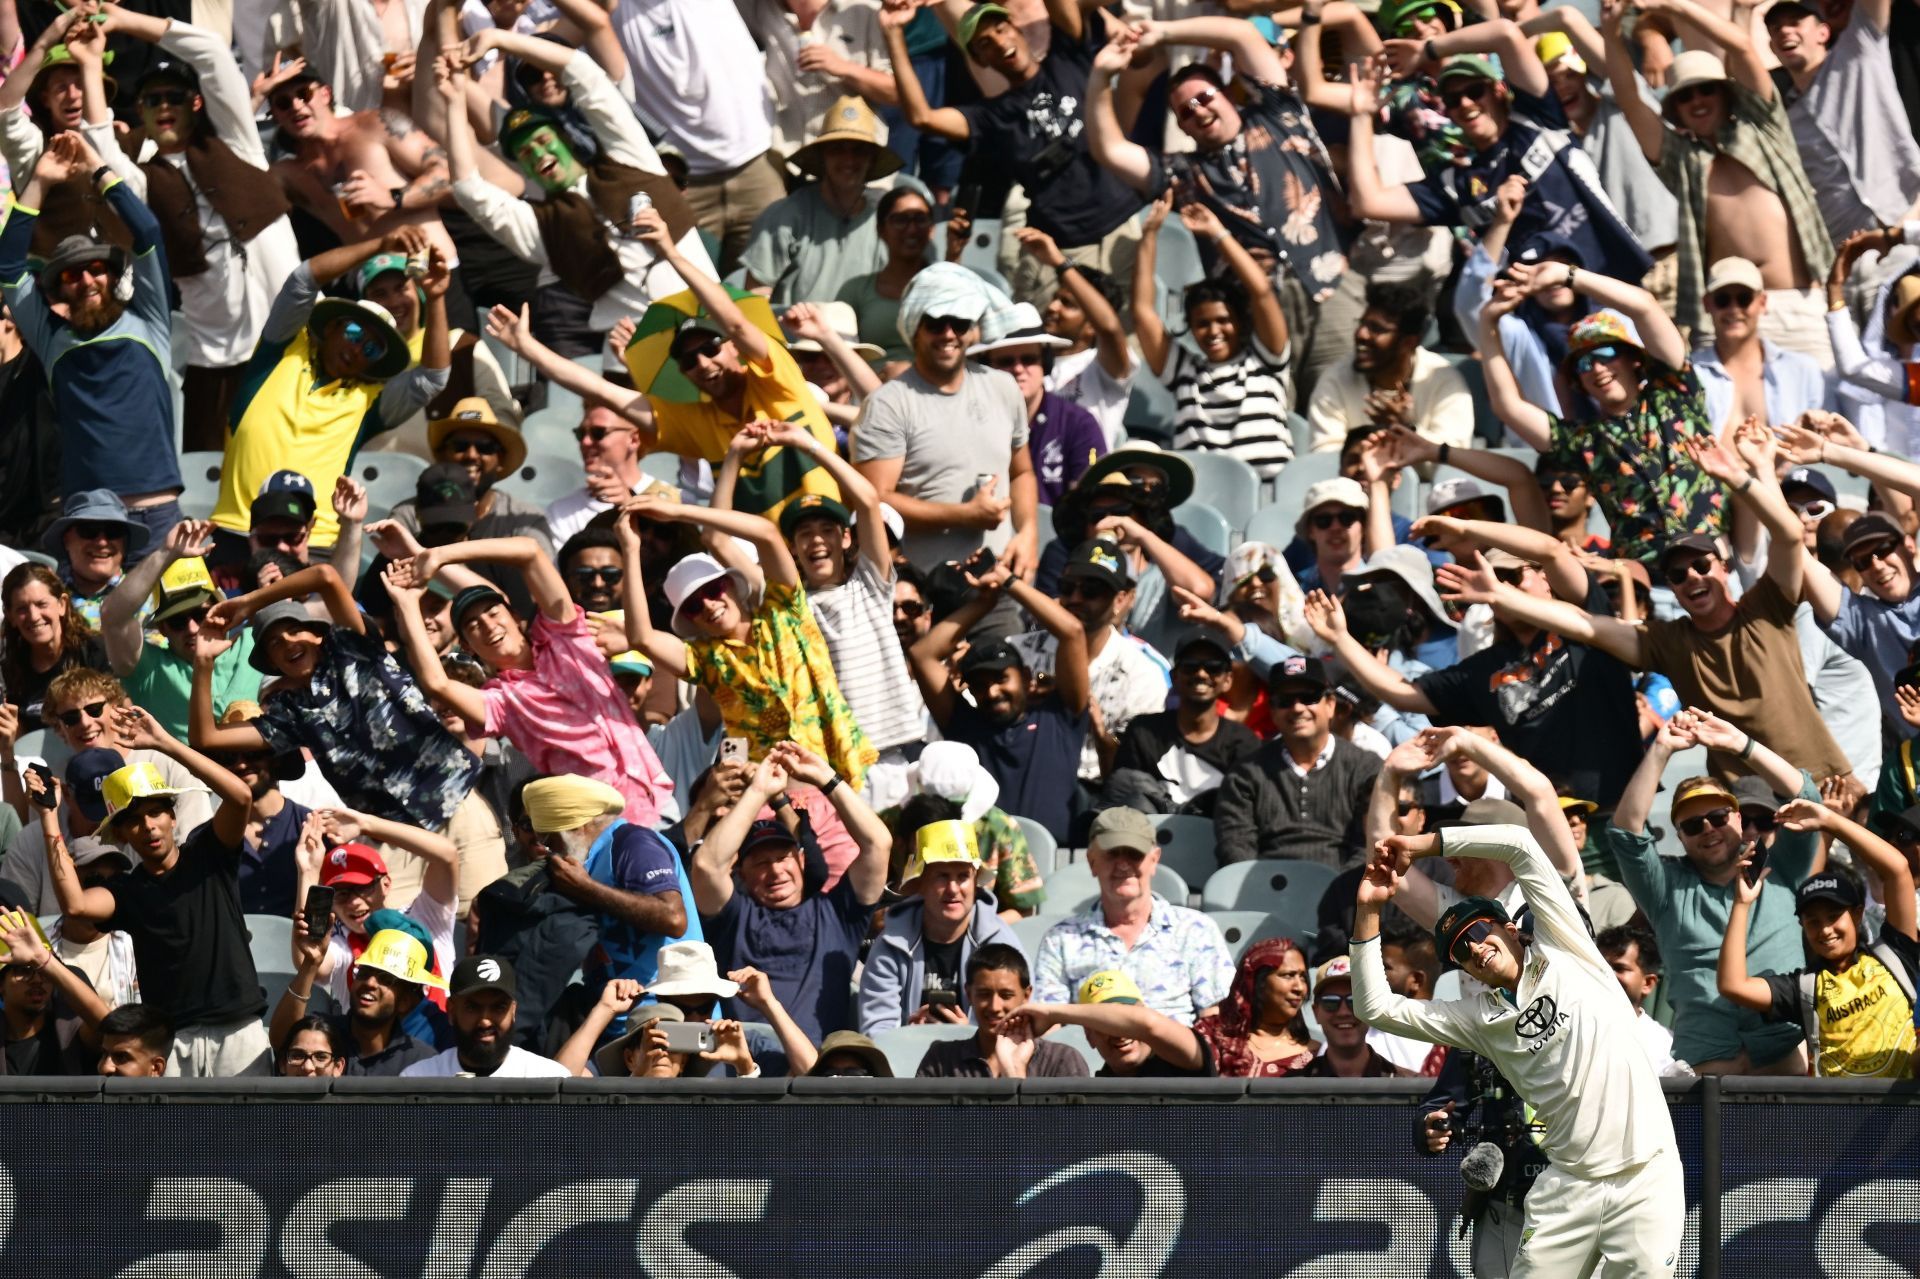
x: 484, y: 1059
x: 89, y: 316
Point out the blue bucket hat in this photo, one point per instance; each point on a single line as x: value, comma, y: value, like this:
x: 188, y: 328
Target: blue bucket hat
x: 94, y: 506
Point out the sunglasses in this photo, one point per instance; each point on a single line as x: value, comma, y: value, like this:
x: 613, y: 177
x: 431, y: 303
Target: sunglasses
x: 1818, y: 509
x: 484, y: 445
x: 1692, y: 826
x: 1008, y: 363
x: 92, y: 710
x: 78, y: 273
x: 164, y: 98
x: 1724, y: 298
x: 1599, y: 355
x: 1758, y: 819
x: 371, y: 344
x: 1680, y: 97
x: 1473, y: 91
x: 1287, y: 701
x: 908, y: 218
x: 910, y: 609
x: 1476, y: 932
x: 1862, y: 558
x: 945, y: 324
x: 263, y: 539
x: 284, y: 100
x: 1698, y: 566
x: 95, y: 532
x: 1565, y: 481
x: 1406, y: 809
x: 1508, y: 576
x: 1332, y: 1002
x: 1214, y: 668
x: 596, y: 433
x: 1199, y: 101
x: 179, y: 622
x: 689, y: 356
x: 844, y: 1072
x: 610, y: 574
x: 711, y: 591
x: 1327, y: 519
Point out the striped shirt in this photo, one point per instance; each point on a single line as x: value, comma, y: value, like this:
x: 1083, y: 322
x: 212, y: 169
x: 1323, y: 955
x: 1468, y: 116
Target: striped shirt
x: 1238, y: 406
x: 857, y: 619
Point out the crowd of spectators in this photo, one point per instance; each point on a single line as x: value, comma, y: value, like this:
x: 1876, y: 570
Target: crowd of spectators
x: 1050, y: 487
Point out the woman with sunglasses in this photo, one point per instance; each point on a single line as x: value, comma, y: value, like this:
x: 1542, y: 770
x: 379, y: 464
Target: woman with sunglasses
x: 41, y: 636
x: 1259, y: 1032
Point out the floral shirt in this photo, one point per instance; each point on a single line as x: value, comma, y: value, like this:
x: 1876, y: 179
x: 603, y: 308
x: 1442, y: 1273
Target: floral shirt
x: 778, y: 685
x: 377, y: 740
x: 1648, y: 488
x: 1180, y: 962
x: 1272, y: 186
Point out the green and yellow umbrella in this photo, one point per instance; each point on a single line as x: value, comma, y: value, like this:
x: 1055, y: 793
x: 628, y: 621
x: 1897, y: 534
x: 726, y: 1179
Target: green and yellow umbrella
x: 647, y: 355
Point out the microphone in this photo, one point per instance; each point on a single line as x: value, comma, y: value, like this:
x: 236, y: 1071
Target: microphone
x: 1482, y: 1167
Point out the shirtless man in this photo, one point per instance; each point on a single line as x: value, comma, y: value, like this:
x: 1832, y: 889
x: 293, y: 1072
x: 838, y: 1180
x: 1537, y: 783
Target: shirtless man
x: 362, y: 175
x: 1724, y: 144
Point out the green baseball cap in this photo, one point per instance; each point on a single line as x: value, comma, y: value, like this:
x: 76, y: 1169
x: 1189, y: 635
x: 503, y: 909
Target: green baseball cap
x: 378, y: 265
x: 971, y: 20
x: 808, y: 505
x: 1471, y: 65
x: 1455, y: 919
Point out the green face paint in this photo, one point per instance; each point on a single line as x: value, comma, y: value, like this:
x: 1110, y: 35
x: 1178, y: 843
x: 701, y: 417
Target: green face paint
x: 544, y: 158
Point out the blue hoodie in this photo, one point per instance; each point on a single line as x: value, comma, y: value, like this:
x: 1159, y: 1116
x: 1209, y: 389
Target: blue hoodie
x: 896, y: 971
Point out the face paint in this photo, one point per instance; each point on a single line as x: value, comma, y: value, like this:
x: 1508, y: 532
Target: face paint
x: 548, y: 160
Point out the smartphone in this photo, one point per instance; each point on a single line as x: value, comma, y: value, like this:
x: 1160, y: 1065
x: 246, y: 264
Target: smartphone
x: 45, y: 798
x: 733, y: 750
x: 967, y: 198
x: 688, y: 1036
x: 1756, y: 865
x: 941, y: 999
x: 319, y: 910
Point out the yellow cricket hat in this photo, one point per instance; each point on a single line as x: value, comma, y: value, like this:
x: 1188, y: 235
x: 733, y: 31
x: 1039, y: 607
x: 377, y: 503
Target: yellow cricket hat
x: 1109, y: 986
x: 948, y: 841
x: 399, y: 955
x: 1554, y: 46
x: 136, y: 781
x: 185, y: 586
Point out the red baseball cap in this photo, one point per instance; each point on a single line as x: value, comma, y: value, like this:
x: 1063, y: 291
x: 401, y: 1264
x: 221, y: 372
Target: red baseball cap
x: 352, y: 864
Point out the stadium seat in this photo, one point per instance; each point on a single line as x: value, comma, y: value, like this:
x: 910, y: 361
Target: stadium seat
x: 1691, y: 762
x: 270, y: 938
x: 1030, y: 930
x: 1277, y: 885
x: 664, y: 467
x: 1043, y: 520
x: 1150, y: 407
x: 1075, y: 1037
x: 1040, y: 843
x: 391, y: 478
x: 549, y: 430
x: 1241, y: 928
x: 906, y: 1045
x: 545, y: 478
x: 200, y: 475
x: 44, y: 744
x: 1208, y: 526
x: 1225, y: 483
x: 1302, y: 433
x: 1074, y: 889
x: 1187, y: 846
x: 1289, y: 491
x: 1177, y: 260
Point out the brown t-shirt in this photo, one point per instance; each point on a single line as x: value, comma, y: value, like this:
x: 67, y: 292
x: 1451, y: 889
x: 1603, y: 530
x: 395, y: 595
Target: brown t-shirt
x: 1749, y: 673
x: 961, y: 1059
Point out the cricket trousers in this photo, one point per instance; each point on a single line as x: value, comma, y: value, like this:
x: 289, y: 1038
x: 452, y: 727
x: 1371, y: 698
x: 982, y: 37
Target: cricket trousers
x: 1627, y: 1226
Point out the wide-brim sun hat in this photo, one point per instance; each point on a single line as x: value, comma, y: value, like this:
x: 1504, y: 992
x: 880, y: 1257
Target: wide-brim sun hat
x: 1137, y: 453
x: 75, y: 250
x: 474, y: 413
x: 1409, y: 566
x: 849, y: 119
x: 95, y: 506
x: 688, y: 576
x: 1695, y: 66
x: 396, y: 357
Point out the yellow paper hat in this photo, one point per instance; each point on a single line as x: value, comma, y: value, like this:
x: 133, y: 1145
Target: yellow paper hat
x: 185, y: 586
x: 948, y: 841
x: 399, y: 955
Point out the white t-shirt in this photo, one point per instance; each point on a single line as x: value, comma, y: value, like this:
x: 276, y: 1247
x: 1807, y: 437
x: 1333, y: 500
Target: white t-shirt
x: 573, y: 512
x: 698, y: 74
x: 520, y: 1064
x: 1080, y: 379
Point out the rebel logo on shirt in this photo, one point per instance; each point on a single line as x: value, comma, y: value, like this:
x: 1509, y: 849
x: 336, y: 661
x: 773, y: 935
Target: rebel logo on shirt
x: 1538, y: 1022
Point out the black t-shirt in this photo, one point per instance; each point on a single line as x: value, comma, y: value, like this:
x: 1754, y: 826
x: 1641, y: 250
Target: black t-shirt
x: 1039, y: 131
x: 942, y: 964
x: 45, y: 1054
x: 189, y: 935
x: 1566, y: 707
x: 1149, y: 738
x: 1158, y: 1067
x: 1035, y: 759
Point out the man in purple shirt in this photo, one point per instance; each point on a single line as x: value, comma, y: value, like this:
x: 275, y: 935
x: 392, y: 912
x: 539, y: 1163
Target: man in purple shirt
x: 1063, y: 438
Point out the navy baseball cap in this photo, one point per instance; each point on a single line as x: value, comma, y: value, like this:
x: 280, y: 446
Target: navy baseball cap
x: 1462, y: 913
x: 285, y: 495
x: 85, y: 774
x: 1805, y: 477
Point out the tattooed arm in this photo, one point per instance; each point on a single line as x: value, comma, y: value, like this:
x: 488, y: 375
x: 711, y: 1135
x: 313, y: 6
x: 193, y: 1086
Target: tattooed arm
x: 419, y: 159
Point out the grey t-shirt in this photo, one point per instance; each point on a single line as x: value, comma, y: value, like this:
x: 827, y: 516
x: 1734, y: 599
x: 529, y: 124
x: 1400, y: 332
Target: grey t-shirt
x: 1855, y: 143
x: 1644, y: 201
x: 946, y: 442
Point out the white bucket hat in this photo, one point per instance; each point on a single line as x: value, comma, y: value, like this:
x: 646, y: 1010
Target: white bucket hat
x: 688, y: 576
x: 952, y: 771
x: 689, y: 968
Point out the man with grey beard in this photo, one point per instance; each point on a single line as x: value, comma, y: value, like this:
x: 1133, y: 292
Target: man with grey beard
x: 628, y: 875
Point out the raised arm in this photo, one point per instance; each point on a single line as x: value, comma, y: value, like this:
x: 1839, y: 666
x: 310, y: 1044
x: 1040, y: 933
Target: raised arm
x: 1888, y: 864
x: 1109, y: 333
x: 1564, y: 572
x: 1635, y: 806
x: 1648, y: 129
x: 1070, y: 680
x: 618, y: 996
x: 1107, y: 141
x: 805, y: 320
x: 776, y: 560
x: 1358, y: 42
x: 1475, y: 584
x: 944, y: 122
x: 667, y: 650
x: 1524, y: 783
x: 1526, y: 419
x: 1156, y: 348
x: 1717, y: 734
x: 862, y: 498
x: 137, y: 729
x: 1745, y: 63
x: 22, y: 936
x: 13, y: 89
x: 515, y: 332
x: 711, y: 870
x: 1329, y: 621
x: 868, y: 872
x: 544, y: 583
x: 1751, y: 993
x: 1170, y: 1041
x: 1263, y: 301
x: 321, y: 579
x: 120, y: 611
x: 1750, y: 480
x: 1367, y: 195
x: 1518, y: 62
x: 202, y: 731
x: 1510, y: 473
x: 931, y: 653
x: 93, y: 904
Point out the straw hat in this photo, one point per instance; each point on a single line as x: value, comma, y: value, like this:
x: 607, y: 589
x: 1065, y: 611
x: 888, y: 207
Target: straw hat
x: 848, y: 120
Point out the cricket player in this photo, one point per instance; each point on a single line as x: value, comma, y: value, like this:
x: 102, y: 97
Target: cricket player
x: 1556, y: 1023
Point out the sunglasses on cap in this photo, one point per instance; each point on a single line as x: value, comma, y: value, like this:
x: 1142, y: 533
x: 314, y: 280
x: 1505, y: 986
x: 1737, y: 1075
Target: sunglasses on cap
x: 1199, y: 101
x: 945, y: 324
x: 1715, y: 818
x: 1471, y: 91
x: 1333, y: 1000
x: 284, y: 100
x: 1815, y: 509
x: 1017, y: 360
x: 1599, y: 355
x: 1213, y: 666
x: 611, y: 574
x: 1324, y: 520
x: 92, y: 710
x: 164, y: 98
x: 1698, y: 566
x: 1721, y: 299
x: 597, y: 433
x: 95, y: 532
x: 1862, y: 557
x: 78, y: 272
x: 371, y: 344
x: 1475, y: 933
x: 688, y: 356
